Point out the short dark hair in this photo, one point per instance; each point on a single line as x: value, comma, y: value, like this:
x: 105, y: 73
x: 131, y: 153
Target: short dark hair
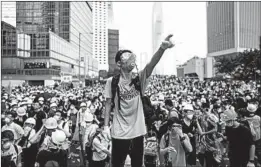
x: 13, y: 114
x: 169, y: 102
x: 7, y: 134
x: 119, y: 53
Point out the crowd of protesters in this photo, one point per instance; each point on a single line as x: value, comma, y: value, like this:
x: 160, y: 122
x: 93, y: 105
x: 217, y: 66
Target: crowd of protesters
x: 207, y: 123
x: 34, y: 65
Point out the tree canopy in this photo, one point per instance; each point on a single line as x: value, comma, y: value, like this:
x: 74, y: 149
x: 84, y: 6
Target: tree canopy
x: 243, y: 66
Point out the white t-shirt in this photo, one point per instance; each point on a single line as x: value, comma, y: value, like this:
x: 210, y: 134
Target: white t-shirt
x: 129, y: 122
x: 99, y: 144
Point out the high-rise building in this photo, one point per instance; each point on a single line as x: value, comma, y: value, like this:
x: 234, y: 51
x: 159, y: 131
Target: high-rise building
x: 110, y: 16
x: 157, y: 30
x: 232, y: 27
x: 100, y: 34
x: 113, y: 42
x: 60, y: 40
x: 9, y: 12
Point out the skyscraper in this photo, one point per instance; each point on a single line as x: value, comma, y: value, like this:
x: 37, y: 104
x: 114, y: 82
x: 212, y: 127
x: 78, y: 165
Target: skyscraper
x: 9, y: 13
x: 232, y: 27
x: 110, y: 16
x: 60, y: 36
x: 157, y: 29
x: 100, y: 34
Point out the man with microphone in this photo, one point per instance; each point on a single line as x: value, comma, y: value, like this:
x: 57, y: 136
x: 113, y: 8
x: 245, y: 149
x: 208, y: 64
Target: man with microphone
x: 128, y: 126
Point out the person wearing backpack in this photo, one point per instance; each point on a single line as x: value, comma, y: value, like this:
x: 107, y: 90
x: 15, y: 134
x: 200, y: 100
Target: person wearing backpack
x: 10, y: 152
x: 174, y: 145
x: 240, y: 141
x: 123, y: 95
x: 29, y: 132
x: 53, y: 155
x: 100, y: 153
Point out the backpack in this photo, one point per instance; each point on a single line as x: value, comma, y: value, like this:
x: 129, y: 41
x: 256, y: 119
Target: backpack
x: 148, y: 109
x: 88, y: 146
x: 6, y: 161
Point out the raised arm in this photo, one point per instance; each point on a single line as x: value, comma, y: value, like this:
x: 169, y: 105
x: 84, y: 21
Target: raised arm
x: 157, y: 56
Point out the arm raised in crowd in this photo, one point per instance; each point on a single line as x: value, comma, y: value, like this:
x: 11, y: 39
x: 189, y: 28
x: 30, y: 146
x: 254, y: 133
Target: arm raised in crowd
x: 157, y: 56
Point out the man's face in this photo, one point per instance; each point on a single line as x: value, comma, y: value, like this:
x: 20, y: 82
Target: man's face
x: 128, y: 61
x: 176, y: 128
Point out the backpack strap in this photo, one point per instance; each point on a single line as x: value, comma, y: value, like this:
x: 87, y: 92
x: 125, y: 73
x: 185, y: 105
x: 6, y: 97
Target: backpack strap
x: 166, y: 138
x: 63, y: 124
x: 115, y: 89
x: 16, y: 148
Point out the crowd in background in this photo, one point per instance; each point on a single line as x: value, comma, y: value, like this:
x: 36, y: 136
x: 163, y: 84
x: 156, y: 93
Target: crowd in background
x: 44, y: 126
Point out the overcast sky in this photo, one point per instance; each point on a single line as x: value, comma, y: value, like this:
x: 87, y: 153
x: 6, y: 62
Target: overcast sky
x: 185, y: 20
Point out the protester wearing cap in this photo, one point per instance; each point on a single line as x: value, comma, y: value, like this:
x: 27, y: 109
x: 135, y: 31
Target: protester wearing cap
x: 62, y: 124
x: 10, y: 152
x: 253, y: 121
x: 101, y: 149
x: 241, y: 143
x: 28, y: 151
x: 88, y: 127
x: 53, y: 109
x: 21, y: 116
x: 53, y: 154
x: 174, y: 144
x: 50, y: 125
x: 189, y: 126
x: 39, y: 114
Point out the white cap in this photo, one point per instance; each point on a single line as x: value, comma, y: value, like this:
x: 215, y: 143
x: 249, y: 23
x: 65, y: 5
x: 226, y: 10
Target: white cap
x: 30, y: 121
x: 51, y: 123
x: 40, y: 99
x: 83, y: 105
x: 21, y: 111
x: 88, y: 117
x: 53, y: 105
x: 58, y: 137
x: 188, y: 107
x: 251, y: 108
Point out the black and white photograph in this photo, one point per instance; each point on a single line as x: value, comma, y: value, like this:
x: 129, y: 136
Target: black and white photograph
x: 130, y: 83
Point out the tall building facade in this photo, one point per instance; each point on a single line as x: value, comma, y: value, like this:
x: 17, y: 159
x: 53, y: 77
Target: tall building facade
x: 232, y: 27
x: 100, y: 34
x: 157, y: 30
x: 110, y: 16
x: 60, y: 37
x: 113, y: 48
x: 9, y: 12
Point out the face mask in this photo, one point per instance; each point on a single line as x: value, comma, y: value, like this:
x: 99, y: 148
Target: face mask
x: 27, y: 129
x: 6, y: 146
x: 190, y: 116
x: 7, y: 120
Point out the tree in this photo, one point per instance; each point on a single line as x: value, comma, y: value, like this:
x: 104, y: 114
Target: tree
x: 244, y: 66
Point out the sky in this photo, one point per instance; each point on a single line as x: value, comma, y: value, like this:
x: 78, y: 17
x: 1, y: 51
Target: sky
x: 185, y: 20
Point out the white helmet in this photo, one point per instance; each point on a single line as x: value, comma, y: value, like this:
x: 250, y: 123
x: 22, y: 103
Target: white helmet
x: 88, y: 117
x: 83, y: 105
x: 58, y: 137
x: 30, y: 121
x: 53, y: 105
x: 51, y: 123
x: 188, y: 107
x: 21, y: 111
